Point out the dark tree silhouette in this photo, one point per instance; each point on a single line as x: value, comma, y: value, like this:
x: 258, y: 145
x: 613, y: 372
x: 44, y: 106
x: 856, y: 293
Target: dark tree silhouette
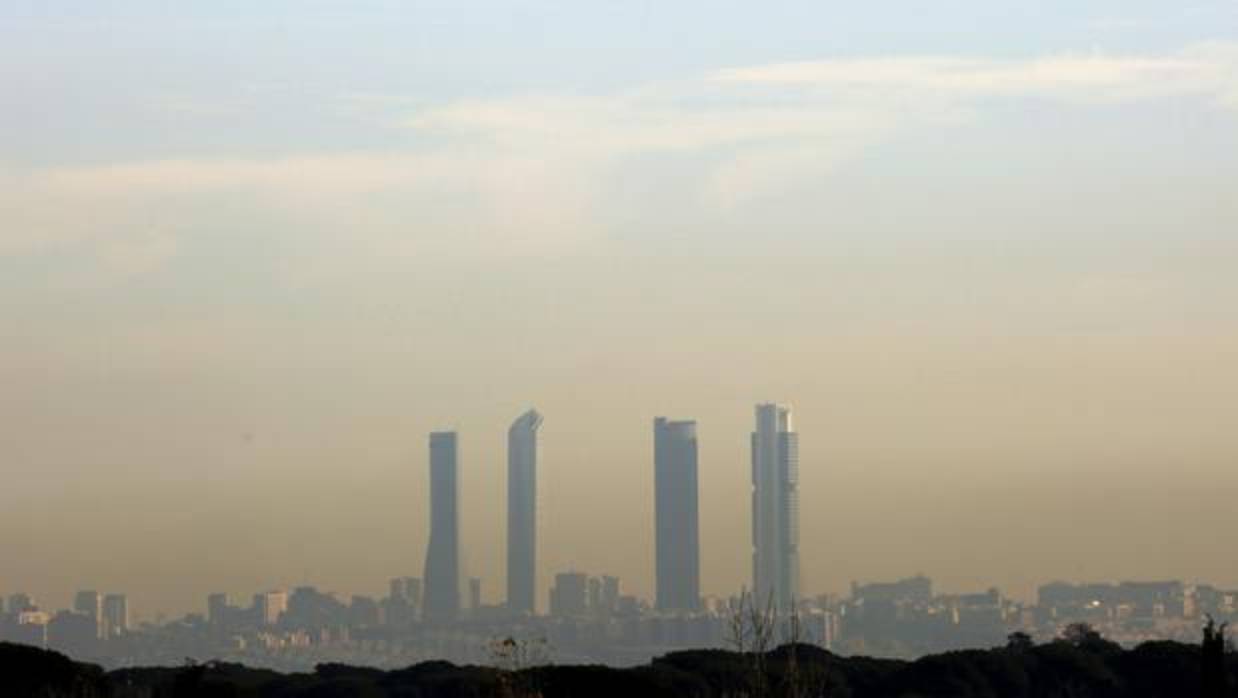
x: 1079, y: 665
x: 1080, y: 634
x: 1019, y: 642
x: 1214, y: 682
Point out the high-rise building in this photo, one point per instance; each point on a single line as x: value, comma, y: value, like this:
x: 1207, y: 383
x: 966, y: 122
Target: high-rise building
x: 115, y: 615
x: 400, y: 607
x: 396, y: 589
x: 218, y: 611
x: 270, y: 606
x: 569, y: 596
x: 522, y: 512
x: 29, y: 628
x: 595, y: 597
x: 474, y: 594
x: 442, y: 571
x: 610, y: 593
x: 74, y: 633
x: 676, y: 523
x: 21, y: 602
x: 310, y: 608
x: 412, y: 592
x: 406, y: 590
x: 363, y: 612
x: 90, y: 603
x: 775, y: 508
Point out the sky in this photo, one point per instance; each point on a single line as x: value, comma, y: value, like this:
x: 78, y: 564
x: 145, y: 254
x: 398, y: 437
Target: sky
x: 252, y: 253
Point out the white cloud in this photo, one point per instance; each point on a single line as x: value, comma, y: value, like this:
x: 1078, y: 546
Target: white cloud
x: 523, y: 173
x: 626, y: 124
x: 1204, y: 69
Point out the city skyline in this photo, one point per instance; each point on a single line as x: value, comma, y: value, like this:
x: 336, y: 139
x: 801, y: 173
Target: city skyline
x: 444, y: 453
x: 252, y: 253
x: 590, y: 620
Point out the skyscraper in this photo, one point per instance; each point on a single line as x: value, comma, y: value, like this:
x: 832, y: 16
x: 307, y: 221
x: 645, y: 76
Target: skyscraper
x: 413, y: 593
x: 676, y: 525
x: 775, y: 508
x: 269, y: 606
x: 522, y: 512
x: 610, y: 594
x: 115, y: 615
x: 218, y: 610
x: 21, y: 602
x: 569, y: 596
x: 90, y: 603
x: 442, y: 571
x: 474, y: 594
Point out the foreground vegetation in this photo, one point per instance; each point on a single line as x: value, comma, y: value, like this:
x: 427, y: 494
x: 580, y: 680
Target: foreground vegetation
x: 1080, y: 665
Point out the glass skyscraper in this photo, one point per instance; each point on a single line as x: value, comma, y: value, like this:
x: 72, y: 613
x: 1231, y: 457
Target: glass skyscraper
x: 775, y: 508
x: 442, y: 571
x: 677, y: 529
x: 522, y: 512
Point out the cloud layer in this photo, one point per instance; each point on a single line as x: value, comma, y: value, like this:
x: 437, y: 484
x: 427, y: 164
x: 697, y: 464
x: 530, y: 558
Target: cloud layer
x: 1203, y: 69
x: 527, y: 172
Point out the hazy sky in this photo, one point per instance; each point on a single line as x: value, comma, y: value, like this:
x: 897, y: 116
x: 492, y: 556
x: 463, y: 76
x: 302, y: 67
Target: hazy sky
x: 252, y: 253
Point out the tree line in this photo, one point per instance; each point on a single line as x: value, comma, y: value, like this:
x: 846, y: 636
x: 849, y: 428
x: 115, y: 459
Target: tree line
x: 1079, y: 664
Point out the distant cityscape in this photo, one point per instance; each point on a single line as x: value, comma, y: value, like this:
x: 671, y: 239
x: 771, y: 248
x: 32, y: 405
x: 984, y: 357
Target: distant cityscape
x: 588, y: 618
x: 591, y: 620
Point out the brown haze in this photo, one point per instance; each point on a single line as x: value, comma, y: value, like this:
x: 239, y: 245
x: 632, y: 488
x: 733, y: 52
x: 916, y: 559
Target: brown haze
x: 242, y: 277
x: 952, y: 423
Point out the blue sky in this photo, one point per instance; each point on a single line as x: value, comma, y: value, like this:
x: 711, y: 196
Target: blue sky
x: 275, y: 69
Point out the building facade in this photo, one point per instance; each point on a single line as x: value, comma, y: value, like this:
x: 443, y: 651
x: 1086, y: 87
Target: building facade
x: 569, y: 597
x: 90, y: 603
x: 775, y: 508
x: 442, y: 570
x: 676, y: 525
x: 270, y: 606
x: 115, y: 615
x: 522, y: 513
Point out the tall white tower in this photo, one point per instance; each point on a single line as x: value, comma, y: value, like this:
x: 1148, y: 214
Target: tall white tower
x: 775, y: 508
x: 522, y: 513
